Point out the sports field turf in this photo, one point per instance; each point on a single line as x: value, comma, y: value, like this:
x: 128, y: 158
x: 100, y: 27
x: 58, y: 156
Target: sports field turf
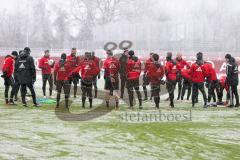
x: 43, y: 133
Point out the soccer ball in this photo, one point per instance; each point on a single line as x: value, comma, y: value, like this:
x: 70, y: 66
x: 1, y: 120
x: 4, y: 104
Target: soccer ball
x: 50, y: 62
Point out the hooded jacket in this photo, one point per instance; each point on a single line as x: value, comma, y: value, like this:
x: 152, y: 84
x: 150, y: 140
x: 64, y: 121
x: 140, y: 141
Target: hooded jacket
x: 171, y: 70
x: 155, y: 73
x: 133, y: 68
x: 43, y: 64
x: 8, y: 66
x: 111, y: 67
x: 88, y: 70
x: 25, y: 69
x: 232, y: 72
x: 197, y: 72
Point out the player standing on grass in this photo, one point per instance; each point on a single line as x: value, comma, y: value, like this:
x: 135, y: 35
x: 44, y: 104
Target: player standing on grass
x: 212, y: 82
x: 171, y: 77
x: 220, y: 88
x: 26, y: 75
x: 73, y: 62
x: 197, y: 72
x: 232, y: 79
x: 61, y: 79
x: 8, y: 69
x: 145, y: 78
x: 155, y: 73
x: 187, y: 84
x: 111, y: 75
x: 97, y: 62
x: 133, y: 73
x: 88, y: 71
x: 123, y: 63
x: 46, y: 64
x: 181, y: 63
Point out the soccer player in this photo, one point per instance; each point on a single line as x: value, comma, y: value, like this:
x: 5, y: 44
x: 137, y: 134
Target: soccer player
x: 8, y: 69
x: 171, y: 77
x: 220, y: 88
x: 111, y: 68
x: 97, y: 61
x: 123, y: 63
x: 88, y: 71
x: 61, y: 79
x: 73, y: 62
x: 26, y: 75
x: 232, y: 79
x: 181, y: 63
x: 46, y: 64
x: 211, y: 76
x: 155, y: 73
x: 197, y: 72
x: 187, y: 84
x: 133, y: 71
x: 145, y: 79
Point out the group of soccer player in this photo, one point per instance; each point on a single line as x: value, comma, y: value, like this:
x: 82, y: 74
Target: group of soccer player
x: 19, y: 71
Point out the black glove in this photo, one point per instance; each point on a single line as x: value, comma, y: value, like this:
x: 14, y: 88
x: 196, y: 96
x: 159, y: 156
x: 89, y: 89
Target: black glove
x: 4, y: 75
x: 162, y: 82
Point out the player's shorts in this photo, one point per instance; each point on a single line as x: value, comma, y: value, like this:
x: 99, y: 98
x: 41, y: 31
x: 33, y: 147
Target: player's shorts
x: 111, y: 85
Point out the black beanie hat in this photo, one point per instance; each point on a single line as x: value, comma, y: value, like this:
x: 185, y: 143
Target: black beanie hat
x: 131, y: 53
x: 64, y: 56
x: 15, y: 53
x: 199, y: 56
x: 155, y: 57
x: 228, y: 56
x: 27, y: 49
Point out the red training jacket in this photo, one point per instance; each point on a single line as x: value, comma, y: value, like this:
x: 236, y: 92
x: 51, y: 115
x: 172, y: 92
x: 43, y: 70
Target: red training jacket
x: 43, y: 64
x: 182, y: 64
x: 88, y: 70
x: 155, y: 73
x: 8, y: 65
x: 133, y: 69
x: 186, y: 74
x: 73, y: 62
x: 62, y: 72
x: 197, y: 73
x: 147, y: 63
x: 111, y: 66
x: 171, y: 71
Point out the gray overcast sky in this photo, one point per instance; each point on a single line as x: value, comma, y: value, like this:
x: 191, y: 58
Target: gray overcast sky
x: 174, y: 6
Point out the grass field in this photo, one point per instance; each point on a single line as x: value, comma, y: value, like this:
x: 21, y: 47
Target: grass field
x: 39, y: 133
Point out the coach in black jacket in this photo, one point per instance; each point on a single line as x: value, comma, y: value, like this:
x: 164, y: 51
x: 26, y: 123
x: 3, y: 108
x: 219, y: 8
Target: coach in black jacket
x: 232, y: 79
x: 26, y: 75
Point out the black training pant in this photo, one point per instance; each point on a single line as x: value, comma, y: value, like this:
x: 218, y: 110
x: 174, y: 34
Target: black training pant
x: 171, y: 85
x: 155, y: 92
x: 211, y: 91
x: 233, y: 92
x: 133, y: 85
x: 47, y: 78
x: 8, y: 82
x: 180, y: 86
x: 123, y: 84
x: 24, y: 91
x: 195, y: 88
x: 187, y: 85
x: 86, y: 87
x: 65, y: 85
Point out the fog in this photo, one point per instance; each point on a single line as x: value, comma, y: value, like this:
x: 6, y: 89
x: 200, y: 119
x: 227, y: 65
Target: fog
x: 176, y: 25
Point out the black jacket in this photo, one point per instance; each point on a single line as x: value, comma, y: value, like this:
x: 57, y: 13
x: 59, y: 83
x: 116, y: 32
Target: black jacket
x: 232, y: 72
x: 25, y: 69
x: 123, y: 63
